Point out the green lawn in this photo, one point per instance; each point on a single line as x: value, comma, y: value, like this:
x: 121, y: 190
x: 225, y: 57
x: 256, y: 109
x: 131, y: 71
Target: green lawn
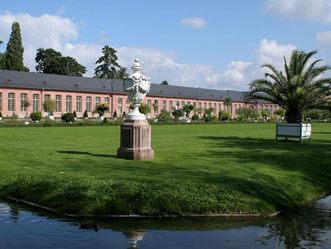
x: 213, y: 168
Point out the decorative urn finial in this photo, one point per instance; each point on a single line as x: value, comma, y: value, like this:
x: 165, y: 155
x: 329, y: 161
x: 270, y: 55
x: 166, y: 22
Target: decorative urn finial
x: 136, y: 87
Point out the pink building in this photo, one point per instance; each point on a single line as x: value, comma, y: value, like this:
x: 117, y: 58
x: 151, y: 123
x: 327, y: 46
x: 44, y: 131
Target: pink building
x: 79, y: 94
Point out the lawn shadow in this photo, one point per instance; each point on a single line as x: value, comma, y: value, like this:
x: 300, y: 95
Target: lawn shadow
x: 261, y: 162
x: 73, y: 152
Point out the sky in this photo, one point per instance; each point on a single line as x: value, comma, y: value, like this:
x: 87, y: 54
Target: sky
x: 218, y: 44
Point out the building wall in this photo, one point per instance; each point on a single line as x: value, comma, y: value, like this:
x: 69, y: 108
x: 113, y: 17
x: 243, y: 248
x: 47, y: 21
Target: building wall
x: 118, y: 103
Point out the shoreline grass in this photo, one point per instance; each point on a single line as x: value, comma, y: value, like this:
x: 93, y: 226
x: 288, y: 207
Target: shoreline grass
x: 198, y: 169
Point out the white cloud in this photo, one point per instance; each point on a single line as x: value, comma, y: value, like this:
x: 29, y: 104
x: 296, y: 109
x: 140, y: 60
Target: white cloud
x: 194, y: 22
x: 324, y: 38
x: 314, y: 10
x: 59, y: 33
x: 270, y: 52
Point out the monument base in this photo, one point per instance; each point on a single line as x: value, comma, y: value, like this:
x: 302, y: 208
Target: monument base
x: 135, y: 141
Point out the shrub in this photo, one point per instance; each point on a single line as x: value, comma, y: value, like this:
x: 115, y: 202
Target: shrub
x: 187, y: 109
x: 224, y: 116
x: 280, y: 112
x: 35, y: 116
x: 164, y: 116
x: 12, y: 119
x: 115, y: 114
x: 245, y: 113
x: 74, y: 114
x: 105, y: 121
x: 195, y: 117
x: 68, y: 117
x: 0, y: 115
x: 177, y: 113
x: 85, y: 114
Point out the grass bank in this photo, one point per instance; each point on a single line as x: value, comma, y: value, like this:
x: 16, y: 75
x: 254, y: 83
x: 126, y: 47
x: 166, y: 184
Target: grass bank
x: 198, y: 169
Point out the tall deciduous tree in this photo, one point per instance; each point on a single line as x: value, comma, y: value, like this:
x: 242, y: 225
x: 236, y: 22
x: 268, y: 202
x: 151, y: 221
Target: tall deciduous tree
x: 13, y: 58
x: 107, y: 65
x: 52, y: 62
x: 296, y: 89
x: 1, y: 58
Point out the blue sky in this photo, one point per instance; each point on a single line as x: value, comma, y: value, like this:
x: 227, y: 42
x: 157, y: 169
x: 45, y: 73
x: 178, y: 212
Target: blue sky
x: 212, y: 43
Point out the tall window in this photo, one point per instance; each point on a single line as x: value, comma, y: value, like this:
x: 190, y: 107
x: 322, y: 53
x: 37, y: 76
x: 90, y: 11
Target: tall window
x: 47, y: 97
x: 68, y: 103
x: 88, y: 103
x: 0, y: 101
x: 127, y: 106
x: 183, y: 103
x: 149, y: 102
x: 58, y: 102
x: 107, y: 100
x: 119, y: 106
x: 79, y: 104
x: 11, y: 102
x: 35, y: 102
x: 177, y: 104
x: 171, y: 105
x: 24, y: 99
x: 164, y: 104
x: 97, y: 101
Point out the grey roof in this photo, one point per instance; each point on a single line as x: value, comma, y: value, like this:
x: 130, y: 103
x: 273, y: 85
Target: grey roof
x: 29, y: 80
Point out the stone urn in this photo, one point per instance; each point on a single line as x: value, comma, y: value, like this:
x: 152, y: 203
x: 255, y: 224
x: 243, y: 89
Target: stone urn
x: 135, y: 131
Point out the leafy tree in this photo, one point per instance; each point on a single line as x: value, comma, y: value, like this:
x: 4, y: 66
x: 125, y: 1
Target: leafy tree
x: 187, y: 108
x: 208, y: 116
x: 13, y: 57
x: 35, y: 116
x: 49, y: 106
x: 280, y: 112
x: 296, y: 89
x: 102, y: 108
x: 52, y: 62
x: 245, y: 113
x: 178, y: 113
x: 108, y: 67
x: 164, y: 82
x: 265, y: 113
x: 144, y: 108
x: 164, y: 116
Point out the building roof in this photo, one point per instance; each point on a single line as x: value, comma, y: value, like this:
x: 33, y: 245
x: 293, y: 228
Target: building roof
x: 31, y: 80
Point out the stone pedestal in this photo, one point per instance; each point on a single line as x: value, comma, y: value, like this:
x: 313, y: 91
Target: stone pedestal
x: 135, y: 141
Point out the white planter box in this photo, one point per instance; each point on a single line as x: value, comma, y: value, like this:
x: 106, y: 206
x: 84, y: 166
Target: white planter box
x: 300, y: 131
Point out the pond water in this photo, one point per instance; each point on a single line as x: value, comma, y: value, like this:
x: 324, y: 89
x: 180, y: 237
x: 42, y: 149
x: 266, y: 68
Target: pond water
x: 24, y: 227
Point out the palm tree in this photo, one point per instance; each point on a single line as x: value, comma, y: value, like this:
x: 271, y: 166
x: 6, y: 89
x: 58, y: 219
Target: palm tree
x: 296, y: 89
x: 228, y: 103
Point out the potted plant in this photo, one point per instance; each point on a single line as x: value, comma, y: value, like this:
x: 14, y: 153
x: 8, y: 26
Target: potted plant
x: 101, y: 109
x: 68, y: 118
x: 26, y: 104
x: 0, y: 116
x: 35, y: 116
x: 75, y: 115
x: 49, y: 106
x: 308, y: 91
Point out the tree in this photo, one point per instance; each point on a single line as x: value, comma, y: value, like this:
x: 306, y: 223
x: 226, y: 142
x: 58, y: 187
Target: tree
x: 102, y: 108
x: 49, y: 106
x: 2, y: 65
x: 121, y: 73
x: 187, y: 108
x: 178, y: 113
x: 13, y: 57
x: 245, y: 113
x: 144, y: 108
x: 52, y: 62
x: 296, y: 89
x: 228, y: 103
x: 164, y: 82
x: 164, y: 116
x: 108, y: 67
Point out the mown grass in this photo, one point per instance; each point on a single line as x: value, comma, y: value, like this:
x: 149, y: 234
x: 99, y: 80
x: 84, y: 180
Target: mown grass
x: 198, y: 169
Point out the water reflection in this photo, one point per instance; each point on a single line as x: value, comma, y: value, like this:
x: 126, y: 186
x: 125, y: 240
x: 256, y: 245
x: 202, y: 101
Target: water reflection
x: 309, y: 227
